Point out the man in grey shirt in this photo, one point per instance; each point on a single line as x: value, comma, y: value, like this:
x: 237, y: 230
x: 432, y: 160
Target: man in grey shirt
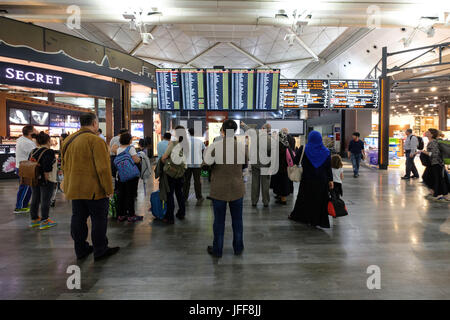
x: 411, y: 144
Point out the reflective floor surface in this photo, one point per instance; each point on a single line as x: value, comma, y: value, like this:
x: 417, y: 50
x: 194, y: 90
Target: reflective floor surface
x: 390, y: 225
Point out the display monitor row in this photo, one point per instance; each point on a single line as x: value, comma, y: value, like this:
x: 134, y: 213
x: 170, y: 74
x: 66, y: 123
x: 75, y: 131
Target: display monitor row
x: 39, y: 118
x: 333, y: 94
x: 218, y: 89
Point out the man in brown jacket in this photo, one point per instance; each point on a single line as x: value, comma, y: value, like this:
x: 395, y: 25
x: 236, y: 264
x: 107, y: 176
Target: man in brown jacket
x: 88, y: 183
x: 227, y: 187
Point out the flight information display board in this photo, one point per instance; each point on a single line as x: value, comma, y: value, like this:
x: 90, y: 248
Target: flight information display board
x: 267, y: 89
x: 242, y: 89
x: 363, y: 94
x: 193, y: 89
x: 303, y: 94
x: 217, y: 89
x: 169, y: 89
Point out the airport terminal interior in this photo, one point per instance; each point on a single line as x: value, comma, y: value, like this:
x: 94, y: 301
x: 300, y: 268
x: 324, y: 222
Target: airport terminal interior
x: 371, y: 78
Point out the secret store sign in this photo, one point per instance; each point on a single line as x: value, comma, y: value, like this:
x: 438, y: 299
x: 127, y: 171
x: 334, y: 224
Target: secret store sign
x: 30, y: 76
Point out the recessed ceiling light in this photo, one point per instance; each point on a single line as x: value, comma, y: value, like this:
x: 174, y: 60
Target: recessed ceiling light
x: 435, y: 98
x: 433, y: 89
x: 416, y: 90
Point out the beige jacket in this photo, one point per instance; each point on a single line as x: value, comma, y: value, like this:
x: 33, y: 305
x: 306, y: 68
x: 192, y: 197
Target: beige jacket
x: 87, y: 167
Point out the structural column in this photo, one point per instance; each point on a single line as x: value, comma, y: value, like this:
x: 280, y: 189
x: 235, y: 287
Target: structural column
x: 384, y: 115
x: 443, y: 117
x: 109, y: 119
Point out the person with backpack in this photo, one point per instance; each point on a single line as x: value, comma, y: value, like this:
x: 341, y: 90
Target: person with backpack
x: 128, y: 173
x: 175, y: 178
x: 356, y: 152
x: 411, y: 146
x: 24, y: 146
x: 46, y: 181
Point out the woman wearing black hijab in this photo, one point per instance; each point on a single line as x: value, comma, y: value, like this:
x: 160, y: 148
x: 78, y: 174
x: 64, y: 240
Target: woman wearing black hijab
x: 311, y: 206
x: 280, y: 183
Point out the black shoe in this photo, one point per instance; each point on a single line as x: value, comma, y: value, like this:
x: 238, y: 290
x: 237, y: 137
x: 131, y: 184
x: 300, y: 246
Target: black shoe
x: 355, y: 176
x: 406, y: 178
x: 167, y: 221
x: 238, y: 253
x: 210, y: 251
x: 53, y: 203
x: 266, y: 205
x: 281, y: 202
x: 253, y: 204
x: 109, y: 252
x: 179, y: 216
x: 88, y: 252
x: 415, y: 177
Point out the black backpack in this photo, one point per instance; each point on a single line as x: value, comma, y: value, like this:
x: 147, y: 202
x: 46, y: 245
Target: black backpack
x: 420, y: 144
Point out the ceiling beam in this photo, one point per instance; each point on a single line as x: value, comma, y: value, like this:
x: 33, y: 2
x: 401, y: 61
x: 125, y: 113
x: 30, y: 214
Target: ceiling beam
x: 248, y: 55
x: 303, y: 44
x: 189, y: 63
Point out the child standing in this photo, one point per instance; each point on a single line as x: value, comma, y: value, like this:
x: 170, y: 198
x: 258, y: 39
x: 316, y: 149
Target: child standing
x: 338, y: 173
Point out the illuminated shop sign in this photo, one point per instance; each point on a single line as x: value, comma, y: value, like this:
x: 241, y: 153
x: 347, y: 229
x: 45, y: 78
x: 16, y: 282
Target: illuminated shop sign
x: 18, y: 74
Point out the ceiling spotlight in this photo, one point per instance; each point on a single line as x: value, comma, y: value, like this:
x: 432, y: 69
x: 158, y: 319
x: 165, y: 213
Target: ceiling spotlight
x: 146, y: 37
x: 129, y: 16
x: 435, y: 98
x: 433, y: 89
x: 430, y: 32
x: 416, y: 90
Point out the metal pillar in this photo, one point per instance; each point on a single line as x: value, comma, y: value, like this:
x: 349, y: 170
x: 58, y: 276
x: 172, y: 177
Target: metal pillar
x: 443, y: 117
x: 383, y: 130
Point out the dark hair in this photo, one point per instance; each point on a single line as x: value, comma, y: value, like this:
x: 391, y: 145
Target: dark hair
x: 125, y: 138
x: 180, y: 138
x: 64, y: 135
x: 42, y: 138
x: 167, y: 136
x: 356, y: 134
x: 27, y: 130
x: 434, y: 133
x: 229, y: 124
x: 191, y: 131
x: 336, y: 161
x: 123, y: 130
x: 100, y: 131
x: 409, y: 130
x: 87, y: 119
x: 141, y: 143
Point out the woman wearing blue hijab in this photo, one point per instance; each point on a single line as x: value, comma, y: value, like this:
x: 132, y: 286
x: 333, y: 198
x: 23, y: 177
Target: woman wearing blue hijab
x: 312, y: 199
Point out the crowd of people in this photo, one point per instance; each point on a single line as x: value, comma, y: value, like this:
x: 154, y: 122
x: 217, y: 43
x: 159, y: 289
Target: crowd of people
x: 94, y: 172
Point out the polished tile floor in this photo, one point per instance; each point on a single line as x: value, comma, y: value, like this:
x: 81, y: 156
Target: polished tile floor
x: 390, y: 225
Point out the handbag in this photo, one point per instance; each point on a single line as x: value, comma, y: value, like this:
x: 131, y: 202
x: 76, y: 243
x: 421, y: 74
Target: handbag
x: 295, y: 172
x: 336, y: 206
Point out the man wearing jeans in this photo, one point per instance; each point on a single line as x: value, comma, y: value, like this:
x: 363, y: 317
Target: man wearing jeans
x: 24, y: 146
x: 356, y: 153
x: 227, y: 188
x: 411, y: 144
x: 88, y: 183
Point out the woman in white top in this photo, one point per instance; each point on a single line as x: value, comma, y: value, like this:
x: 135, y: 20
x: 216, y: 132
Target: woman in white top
x: 338, y: 173
x: 127, y: 191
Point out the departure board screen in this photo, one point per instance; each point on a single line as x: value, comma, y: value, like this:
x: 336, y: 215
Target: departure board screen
x: 304, y: 94
x: 217, y: 89
x: 169, y: 89
x: 364, y: 94
x: 242, y: 89
x: 267, y: 89
x: 192, y: 88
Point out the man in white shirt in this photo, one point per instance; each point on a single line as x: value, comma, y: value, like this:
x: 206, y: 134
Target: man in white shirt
x: 116, y: 141
x: 24, y: 146
x: 195, y: 159
x: 411, y: 144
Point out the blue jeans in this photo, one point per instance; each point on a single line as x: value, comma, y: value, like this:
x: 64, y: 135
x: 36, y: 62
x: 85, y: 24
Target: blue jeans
x: 356, y: 160
x: 23, y: 195
x: 220, y: 211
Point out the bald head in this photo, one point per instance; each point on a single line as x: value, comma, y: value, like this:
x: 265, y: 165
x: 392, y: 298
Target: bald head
x: 266, y: 127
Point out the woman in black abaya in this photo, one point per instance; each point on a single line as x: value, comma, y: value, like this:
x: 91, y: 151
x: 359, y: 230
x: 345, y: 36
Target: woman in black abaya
x: 311, y: 206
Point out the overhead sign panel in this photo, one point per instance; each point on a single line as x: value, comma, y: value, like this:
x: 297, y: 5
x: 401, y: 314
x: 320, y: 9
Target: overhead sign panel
x: 267, y: 89
x: 242, y: 89
x: 308, y: 94
x: 359, y: 94
x: 193, y: 89
x: 168, y: 84
x: 217, y: 89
